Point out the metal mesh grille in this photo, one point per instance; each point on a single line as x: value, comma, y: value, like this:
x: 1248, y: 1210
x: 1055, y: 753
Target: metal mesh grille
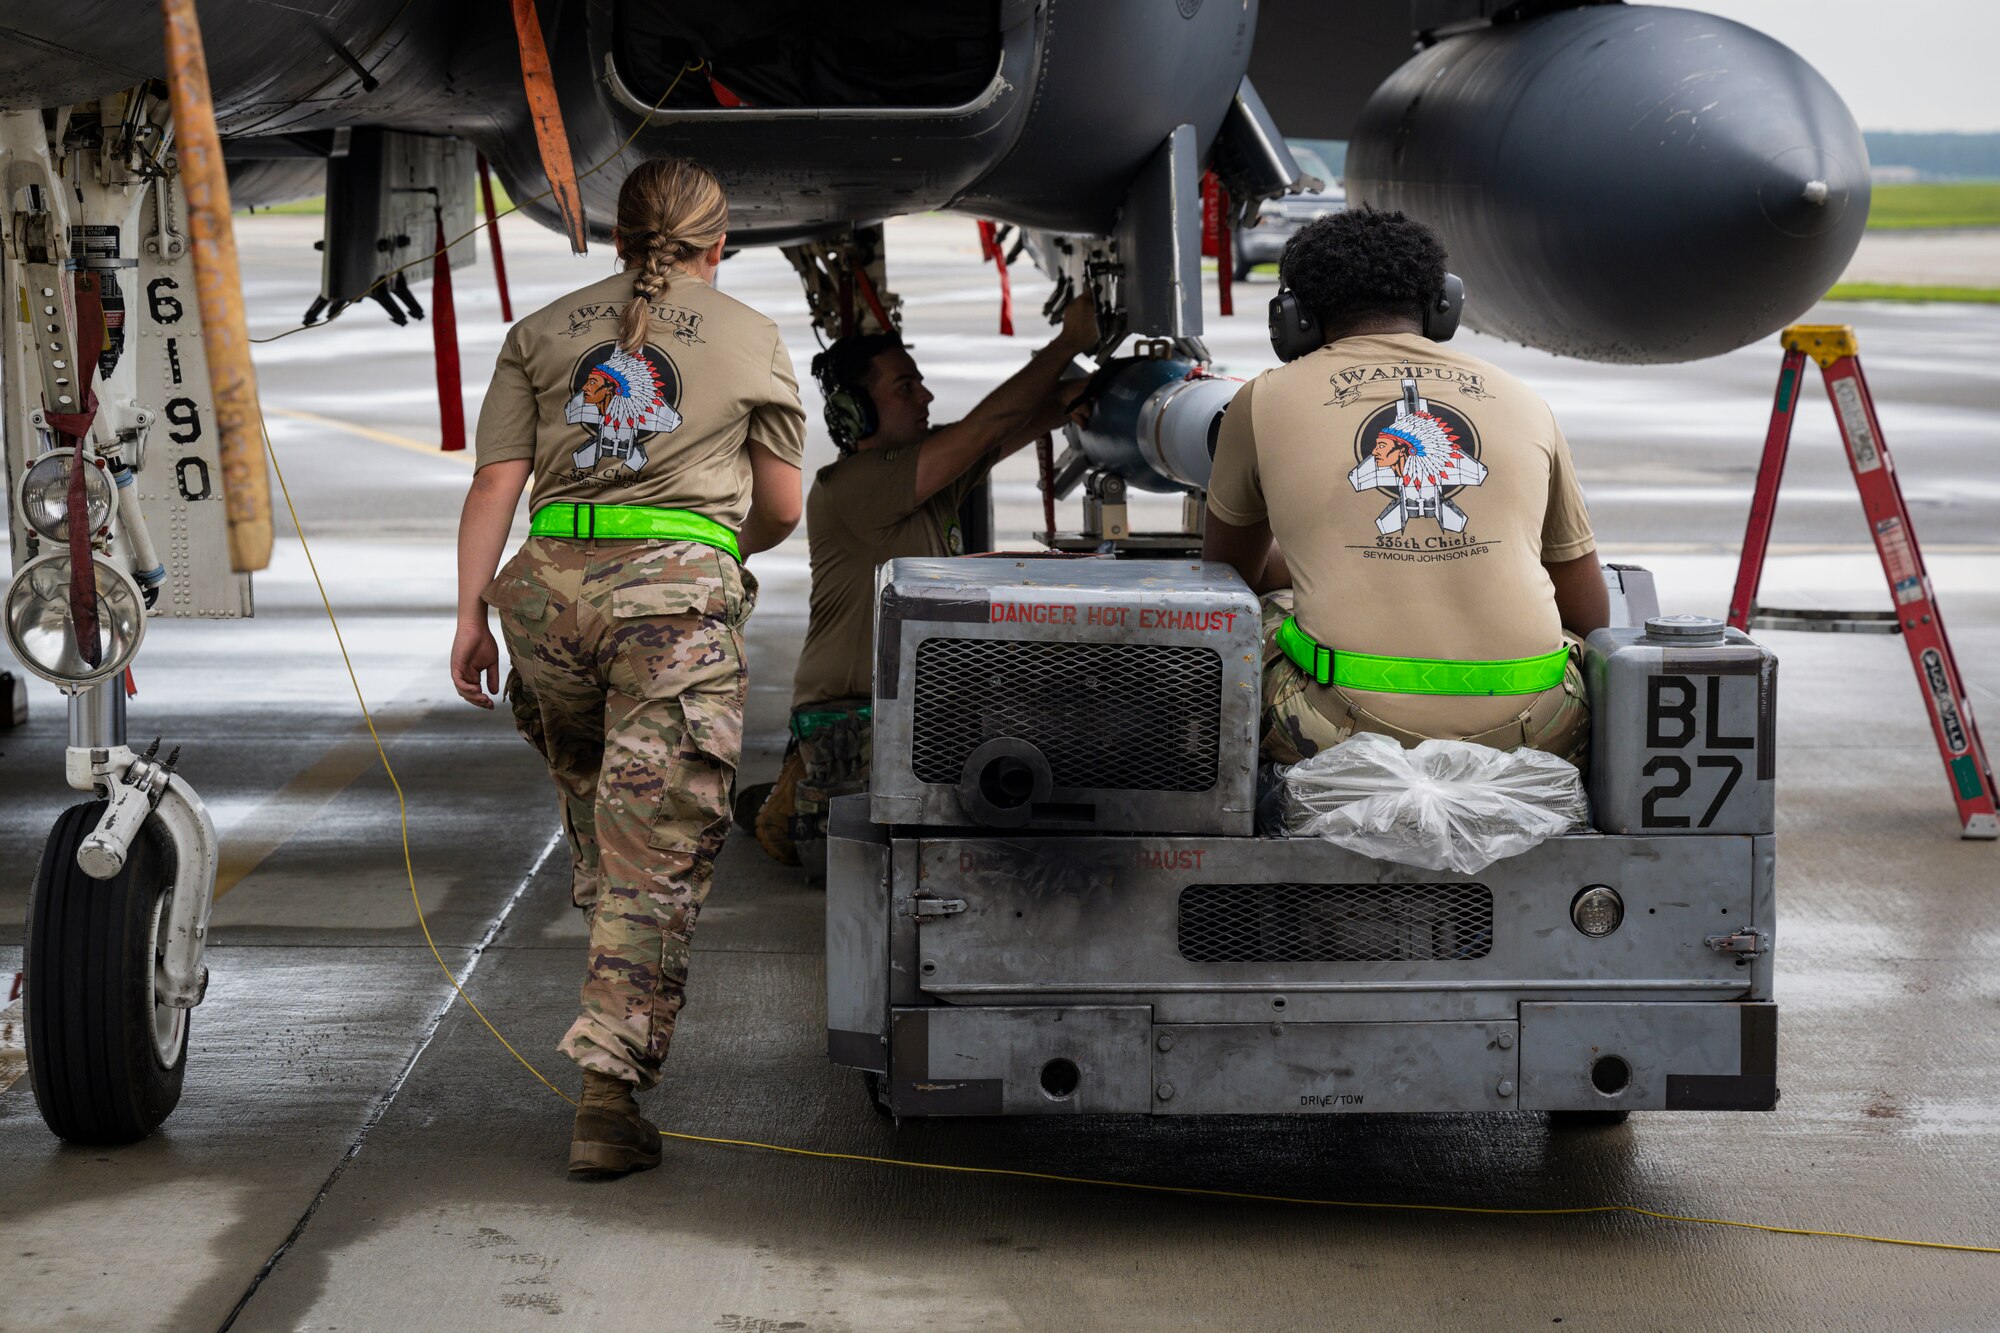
x: 1335, y: 923
x: 1140, y: 717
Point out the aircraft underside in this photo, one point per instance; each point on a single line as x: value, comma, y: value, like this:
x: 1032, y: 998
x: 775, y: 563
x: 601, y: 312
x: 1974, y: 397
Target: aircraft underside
x: 1613, y: 183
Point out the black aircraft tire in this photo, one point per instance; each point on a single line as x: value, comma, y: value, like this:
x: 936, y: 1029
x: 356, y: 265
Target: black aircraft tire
x: 87, y: 1005
x: 1564, y: 1120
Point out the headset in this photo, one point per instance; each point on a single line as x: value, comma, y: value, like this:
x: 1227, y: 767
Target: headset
x: 850, y: 411
x: 1295, y: 330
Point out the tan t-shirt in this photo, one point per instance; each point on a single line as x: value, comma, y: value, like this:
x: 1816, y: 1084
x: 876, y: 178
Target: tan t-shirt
x: 666, y: 427
x: 1408, y: 536
x: 863, y: 510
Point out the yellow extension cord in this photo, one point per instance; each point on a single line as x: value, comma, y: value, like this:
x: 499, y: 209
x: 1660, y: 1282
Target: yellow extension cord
x: 409, y: 868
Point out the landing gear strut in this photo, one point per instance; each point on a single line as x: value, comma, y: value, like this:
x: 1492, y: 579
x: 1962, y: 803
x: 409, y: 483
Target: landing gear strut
x: 119, y: 908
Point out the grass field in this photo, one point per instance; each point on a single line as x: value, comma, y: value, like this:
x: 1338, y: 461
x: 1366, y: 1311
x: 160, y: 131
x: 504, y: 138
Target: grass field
x: 1889, y: 291
x: 1952, y: 204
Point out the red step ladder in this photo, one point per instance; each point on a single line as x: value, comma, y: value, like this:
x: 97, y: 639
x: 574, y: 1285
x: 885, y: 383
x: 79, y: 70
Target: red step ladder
x: 1916, y: 616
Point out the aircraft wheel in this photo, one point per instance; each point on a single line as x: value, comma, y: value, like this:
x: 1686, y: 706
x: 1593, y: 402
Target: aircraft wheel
x: 106, y: 1060
x: 1586, y: 1119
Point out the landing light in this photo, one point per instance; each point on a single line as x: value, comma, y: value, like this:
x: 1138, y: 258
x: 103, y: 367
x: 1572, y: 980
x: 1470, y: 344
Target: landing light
x: 42, y: 634
x: 1597, y: 911
x: 45, y: 495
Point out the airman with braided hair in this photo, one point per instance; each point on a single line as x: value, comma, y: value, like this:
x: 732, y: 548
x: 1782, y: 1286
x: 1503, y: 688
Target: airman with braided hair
x: 660, y: 424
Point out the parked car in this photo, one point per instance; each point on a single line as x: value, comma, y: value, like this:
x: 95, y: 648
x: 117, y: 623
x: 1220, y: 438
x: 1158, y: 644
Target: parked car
x: 1264, y: 240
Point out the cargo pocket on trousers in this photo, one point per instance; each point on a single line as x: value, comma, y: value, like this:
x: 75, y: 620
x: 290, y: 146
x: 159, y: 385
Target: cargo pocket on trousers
x: 526, y: 611
x: 694, y: 809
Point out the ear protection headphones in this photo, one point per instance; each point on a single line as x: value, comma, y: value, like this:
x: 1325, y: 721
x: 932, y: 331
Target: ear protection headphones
x: 850, y: 412
x: 1295, y: 329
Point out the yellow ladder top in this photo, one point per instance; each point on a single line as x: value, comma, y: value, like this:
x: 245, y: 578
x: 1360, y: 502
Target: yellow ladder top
x: 1824, y: 343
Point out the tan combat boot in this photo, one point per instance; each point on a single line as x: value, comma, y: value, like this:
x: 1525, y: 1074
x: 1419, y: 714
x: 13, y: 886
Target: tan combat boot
x: 773, y: 825
x: 611, y: 1137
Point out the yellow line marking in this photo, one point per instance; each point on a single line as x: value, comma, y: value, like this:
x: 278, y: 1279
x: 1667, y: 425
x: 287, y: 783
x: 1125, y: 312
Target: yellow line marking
x: 252, y: 840
x: 13, y: 1046
x: 428, y: 450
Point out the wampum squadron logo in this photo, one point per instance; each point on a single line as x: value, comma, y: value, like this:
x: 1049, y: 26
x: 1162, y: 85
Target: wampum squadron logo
x: 1349, y: 382
x: 1420, y: 455
x: 621, y: 399
x: 683, y: 323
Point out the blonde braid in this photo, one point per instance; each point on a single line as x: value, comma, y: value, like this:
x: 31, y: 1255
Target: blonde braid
x: 653, y: 275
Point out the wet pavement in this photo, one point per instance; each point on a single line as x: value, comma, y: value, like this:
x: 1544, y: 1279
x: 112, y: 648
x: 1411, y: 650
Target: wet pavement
x: 355, y: 1151
x: 1963, y: 258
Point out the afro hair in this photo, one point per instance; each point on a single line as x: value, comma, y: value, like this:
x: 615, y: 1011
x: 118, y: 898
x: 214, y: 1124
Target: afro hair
x: 1363, y: 262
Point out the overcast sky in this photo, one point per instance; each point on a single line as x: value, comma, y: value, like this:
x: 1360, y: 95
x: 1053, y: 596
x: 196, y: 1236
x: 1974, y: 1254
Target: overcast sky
x: 1900, y: 64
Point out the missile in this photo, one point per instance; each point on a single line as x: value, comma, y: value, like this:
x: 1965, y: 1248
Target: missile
x: 1621, y: 183
x: 1153, y: 422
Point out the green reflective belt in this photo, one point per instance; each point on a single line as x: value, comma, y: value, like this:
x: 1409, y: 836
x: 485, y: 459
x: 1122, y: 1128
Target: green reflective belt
x: 638, y: 522
x: 805, y: 726
x: 1420, y: 675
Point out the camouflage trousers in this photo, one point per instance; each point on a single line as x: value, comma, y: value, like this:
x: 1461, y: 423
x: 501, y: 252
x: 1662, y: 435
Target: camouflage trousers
x: 1300, y: 718
x: 628, y: 680
x: 836, y: 754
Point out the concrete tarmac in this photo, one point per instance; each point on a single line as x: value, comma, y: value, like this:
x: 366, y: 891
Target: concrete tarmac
x: 1968, y: 257
x: 356, y: 1151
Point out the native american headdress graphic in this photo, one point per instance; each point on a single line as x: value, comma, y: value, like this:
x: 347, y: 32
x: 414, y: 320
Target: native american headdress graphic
x: 1418, y: 456
x: 623, y: 397
x: 1431, y: 453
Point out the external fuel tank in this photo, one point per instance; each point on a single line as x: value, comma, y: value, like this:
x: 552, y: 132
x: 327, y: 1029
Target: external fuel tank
x: 1623, y: 183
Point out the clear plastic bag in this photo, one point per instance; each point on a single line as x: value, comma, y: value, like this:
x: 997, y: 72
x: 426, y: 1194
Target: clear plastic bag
x: 1446, y: 805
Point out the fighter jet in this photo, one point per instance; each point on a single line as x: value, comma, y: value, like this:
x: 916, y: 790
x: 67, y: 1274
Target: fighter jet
x: 1631, y: 183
